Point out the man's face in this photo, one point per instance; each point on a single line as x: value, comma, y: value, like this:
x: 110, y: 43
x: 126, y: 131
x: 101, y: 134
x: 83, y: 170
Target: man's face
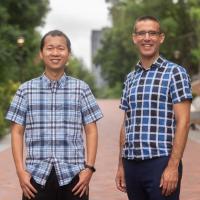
x: 147, y: 38
x: 55, y: 52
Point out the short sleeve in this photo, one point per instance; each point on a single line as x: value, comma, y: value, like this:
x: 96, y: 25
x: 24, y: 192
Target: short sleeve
x: 18, y: 109
x: 124, y: 101
x: 89, y: 108
x: 180, y: 85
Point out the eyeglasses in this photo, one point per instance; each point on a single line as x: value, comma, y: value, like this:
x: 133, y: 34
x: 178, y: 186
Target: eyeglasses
x: 151, y: 34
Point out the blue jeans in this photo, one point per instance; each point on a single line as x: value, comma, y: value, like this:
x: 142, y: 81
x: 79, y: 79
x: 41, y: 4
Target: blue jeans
x: 143, y: 179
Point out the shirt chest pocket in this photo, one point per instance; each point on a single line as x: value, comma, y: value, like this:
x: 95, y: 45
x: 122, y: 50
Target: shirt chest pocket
x: 70, y: 112
x: 163, y: 94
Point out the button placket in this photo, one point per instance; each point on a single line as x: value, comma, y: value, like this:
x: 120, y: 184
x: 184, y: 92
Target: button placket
x: 53, y: 90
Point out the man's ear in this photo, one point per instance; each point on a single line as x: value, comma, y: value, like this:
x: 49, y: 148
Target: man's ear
x: 133, y: 38
x: 41, y: 56
x: 162, y: 38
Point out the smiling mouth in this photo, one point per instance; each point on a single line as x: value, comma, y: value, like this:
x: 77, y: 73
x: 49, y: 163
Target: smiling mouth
x: 147, y: 45
x: 55, y: 61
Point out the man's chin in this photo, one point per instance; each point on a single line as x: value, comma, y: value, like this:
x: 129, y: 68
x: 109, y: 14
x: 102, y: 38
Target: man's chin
x: 55, y: 69
x: 148, y: 54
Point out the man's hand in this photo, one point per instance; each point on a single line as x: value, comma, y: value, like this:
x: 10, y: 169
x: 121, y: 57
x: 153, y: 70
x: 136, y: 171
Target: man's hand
x: 83, y: 185
x: 169, y: 180
x: 120, y: 179
x: 27, y: 188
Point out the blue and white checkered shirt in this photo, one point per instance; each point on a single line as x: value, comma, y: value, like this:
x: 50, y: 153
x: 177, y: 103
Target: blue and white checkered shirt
x: 148, y: 99
x: 53, y: 113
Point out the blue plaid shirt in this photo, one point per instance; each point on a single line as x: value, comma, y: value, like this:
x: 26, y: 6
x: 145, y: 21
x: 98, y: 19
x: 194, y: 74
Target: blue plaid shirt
x: 53, y: 113
x: 148, y: 99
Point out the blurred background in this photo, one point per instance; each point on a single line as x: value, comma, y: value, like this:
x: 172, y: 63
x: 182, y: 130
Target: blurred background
x: 100, y: 32
x: 102, y: 54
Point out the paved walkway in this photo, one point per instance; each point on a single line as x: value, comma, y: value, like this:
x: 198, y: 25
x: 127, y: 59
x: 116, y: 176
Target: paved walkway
x: 102, y: 184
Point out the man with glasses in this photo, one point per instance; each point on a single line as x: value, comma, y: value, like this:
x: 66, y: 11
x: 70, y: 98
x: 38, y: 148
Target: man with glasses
x: 156, y: 103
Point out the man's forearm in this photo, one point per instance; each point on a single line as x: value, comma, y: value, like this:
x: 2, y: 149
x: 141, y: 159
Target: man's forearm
x: 182, y: 114
x: 179, y: 144
x: 17, y: 146
x: 121, y: 141
x: 91, y: 143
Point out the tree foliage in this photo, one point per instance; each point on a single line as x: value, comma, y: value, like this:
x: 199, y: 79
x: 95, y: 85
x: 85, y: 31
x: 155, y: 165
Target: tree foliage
x: 20, y: 18
x: 179, y: 21
x: 7, y: 90
x: 77, y: 69
x: 17, y: 64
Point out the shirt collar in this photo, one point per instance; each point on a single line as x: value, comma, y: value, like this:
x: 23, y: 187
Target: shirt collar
x: 59, y: 83
x: 157, y: 63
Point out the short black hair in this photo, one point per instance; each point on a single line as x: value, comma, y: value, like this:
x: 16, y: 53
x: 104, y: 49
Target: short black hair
x: 146, y: 17
x: 56, y: 33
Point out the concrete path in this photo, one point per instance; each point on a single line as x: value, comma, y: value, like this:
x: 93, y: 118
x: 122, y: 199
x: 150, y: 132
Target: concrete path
x: 5, y: 142
x: 103, y: 184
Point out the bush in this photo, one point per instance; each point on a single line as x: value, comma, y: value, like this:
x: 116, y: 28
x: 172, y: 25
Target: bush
x: 110, y: 92
x: 7, y: 90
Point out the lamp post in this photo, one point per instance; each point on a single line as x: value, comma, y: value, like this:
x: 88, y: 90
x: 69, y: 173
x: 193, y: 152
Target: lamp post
x: 20, y: 44
x: 20, y: 41
x: 177, y: 56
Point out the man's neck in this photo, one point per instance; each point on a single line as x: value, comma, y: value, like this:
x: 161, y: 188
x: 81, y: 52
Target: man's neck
x: 148, y: 61
x: 54, y: 75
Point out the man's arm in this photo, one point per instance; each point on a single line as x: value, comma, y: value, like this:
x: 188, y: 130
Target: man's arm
x: 91, y: 146
x: 120, y: 179
x: 169, y: 177
x: 17, y: 134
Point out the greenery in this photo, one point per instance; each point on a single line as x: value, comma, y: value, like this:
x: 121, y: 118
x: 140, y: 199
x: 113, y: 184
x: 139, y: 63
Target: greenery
x: 179, y: 20
x: 77, y: 69
x: 7, y: 90
x: 107, y: 92
x: 20, y: 18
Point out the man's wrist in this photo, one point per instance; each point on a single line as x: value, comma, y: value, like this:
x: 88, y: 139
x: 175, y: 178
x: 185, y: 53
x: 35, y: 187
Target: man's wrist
x: 90, y: 167
x: 20, y: 170
x: 174, y: 163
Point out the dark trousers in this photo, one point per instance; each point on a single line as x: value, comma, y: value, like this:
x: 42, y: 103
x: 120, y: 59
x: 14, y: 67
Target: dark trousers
x: 52, y: 190
x: 143, y: 179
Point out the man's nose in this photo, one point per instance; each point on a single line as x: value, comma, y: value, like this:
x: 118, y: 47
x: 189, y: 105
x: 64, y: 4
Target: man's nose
x: 146, y: 36
x: 55, y: 51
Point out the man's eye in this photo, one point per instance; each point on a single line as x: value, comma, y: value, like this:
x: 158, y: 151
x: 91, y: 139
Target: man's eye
x: 150, y: 33
x: 141, y: 33
x: 153, y: 33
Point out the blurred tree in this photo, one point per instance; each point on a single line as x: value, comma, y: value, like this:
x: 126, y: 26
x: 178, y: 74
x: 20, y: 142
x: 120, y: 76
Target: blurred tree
x: 77, y: 69
x: 7, y: 90
x: 26, y: 14
x: 194, y: 11
x: 118, y: 55
x: 20, y: 18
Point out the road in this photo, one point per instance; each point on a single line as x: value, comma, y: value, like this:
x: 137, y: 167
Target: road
x: 102, y: 184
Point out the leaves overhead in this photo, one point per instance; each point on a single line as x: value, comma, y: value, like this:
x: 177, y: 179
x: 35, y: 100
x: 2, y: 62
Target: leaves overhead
x: 20, y: 18
x: 179, y: 21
